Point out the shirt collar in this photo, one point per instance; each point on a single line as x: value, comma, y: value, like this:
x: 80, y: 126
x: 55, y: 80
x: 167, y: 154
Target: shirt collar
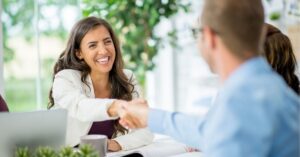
x: 248, y: 70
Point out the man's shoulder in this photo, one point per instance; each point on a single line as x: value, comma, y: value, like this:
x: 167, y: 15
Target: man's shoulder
x: 261, y: 88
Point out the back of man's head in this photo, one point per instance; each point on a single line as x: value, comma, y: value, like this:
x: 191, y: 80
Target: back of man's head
x: 239, y: 23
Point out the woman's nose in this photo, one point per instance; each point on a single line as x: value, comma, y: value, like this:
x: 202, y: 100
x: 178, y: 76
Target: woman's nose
x: 102, y: 49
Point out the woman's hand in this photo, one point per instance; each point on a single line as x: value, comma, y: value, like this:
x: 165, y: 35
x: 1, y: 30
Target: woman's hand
x: 115, y: 108
x: 113, y: 146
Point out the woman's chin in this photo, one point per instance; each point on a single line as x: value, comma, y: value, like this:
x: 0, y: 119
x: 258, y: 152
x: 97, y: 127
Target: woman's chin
x: 104, y: 69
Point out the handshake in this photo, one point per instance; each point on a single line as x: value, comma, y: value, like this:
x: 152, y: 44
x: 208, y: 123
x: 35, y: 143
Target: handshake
x: 133, y: 114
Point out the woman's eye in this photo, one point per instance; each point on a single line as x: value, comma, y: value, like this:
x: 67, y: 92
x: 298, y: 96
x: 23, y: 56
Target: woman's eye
x: 92, y: 46
x: 108, y: 42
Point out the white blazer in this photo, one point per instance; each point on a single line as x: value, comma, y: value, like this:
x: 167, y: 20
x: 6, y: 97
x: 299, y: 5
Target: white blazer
x: 83, y: 108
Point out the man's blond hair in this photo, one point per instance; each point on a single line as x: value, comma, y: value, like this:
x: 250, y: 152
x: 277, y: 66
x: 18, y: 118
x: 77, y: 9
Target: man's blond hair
x: 239, y: 23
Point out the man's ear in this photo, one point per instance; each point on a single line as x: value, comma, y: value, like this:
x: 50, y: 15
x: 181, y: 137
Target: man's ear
x: 78, y: 54
x: 211, y: 38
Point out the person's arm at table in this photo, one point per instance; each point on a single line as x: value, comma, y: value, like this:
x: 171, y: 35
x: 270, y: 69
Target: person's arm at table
x: 184, y: 128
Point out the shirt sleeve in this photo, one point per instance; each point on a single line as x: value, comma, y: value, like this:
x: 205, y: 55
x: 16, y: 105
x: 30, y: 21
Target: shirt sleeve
x: 68, y: 94
x: 184, y: 128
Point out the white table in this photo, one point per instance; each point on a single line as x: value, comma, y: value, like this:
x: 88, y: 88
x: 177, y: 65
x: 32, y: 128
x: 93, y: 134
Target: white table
x: 191, y: 154
x: 162, y: 146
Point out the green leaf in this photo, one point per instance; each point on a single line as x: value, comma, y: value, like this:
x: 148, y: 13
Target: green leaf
x: 84, y: 151
x: 45, y: 152
x: 87, y: 151
x: 275, y: 16
x: 22, y: 152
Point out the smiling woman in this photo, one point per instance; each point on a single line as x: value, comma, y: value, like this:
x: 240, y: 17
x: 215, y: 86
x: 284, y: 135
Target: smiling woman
x: 97, y: 50
x: 91, y: 83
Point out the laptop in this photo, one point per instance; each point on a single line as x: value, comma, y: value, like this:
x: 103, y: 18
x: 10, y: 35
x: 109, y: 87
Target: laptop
x: 31, y: 130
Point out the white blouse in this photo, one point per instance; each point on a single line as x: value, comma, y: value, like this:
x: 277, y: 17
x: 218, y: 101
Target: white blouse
x: 83, y: 108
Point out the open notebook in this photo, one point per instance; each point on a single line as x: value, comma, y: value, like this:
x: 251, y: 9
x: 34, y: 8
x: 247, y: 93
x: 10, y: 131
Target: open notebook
x: 164, y: 146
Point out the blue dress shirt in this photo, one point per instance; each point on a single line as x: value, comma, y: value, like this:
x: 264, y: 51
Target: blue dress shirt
x: 255, y: 115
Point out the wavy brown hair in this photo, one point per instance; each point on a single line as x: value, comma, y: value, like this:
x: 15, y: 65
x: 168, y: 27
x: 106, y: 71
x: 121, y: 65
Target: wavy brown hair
x: 279, y: 53
x: 122, y: 88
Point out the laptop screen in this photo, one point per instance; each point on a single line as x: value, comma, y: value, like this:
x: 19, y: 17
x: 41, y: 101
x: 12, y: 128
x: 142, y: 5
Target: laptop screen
x: 32, y: 129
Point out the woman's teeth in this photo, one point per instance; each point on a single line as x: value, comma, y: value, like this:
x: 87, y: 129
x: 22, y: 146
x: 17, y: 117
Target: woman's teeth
x: 103, y: 60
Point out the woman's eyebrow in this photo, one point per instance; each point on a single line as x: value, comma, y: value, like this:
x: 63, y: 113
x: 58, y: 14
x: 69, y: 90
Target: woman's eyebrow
x: 107, y: 38
x: 92, y: 42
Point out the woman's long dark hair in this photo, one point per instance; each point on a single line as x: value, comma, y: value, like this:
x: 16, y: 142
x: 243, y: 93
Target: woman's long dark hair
x: 121, y: 86
x: 279, y: 53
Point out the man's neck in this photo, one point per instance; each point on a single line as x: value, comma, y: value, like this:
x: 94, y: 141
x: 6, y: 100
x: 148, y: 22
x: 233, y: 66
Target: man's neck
x: 230, y: 63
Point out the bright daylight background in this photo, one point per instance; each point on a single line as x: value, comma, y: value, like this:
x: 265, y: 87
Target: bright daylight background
x: 157, y: 42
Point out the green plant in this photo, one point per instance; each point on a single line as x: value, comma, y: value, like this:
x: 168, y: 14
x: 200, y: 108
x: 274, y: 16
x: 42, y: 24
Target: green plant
x: 22, y: 152
x: 45, y: 152
x: 87, y: 151
x: 68, y: 152
x: 275, y: 16
x: 83, y: 151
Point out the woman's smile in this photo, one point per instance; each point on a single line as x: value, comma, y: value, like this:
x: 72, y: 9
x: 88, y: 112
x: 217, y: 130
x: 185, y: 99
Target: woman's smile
x: 103, y: 60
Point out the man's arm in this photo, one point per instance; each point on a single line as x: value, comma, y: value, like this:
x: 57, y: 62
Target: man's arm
x: 184, y: 128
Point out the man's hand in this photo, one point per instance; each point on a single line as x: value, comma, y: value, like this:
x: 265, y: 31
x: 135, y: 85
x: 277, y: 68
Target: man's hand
x: 134, y: 114
x: 115, y: 107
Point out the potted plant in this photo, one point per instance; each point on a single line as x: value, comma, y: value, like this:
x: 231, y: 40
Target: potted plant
x: 83, y: 151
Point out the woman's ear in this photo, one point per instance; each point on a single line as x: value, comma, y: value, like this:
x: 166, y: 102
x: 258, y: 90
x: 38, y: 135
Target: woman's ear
x: 79, y: 54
